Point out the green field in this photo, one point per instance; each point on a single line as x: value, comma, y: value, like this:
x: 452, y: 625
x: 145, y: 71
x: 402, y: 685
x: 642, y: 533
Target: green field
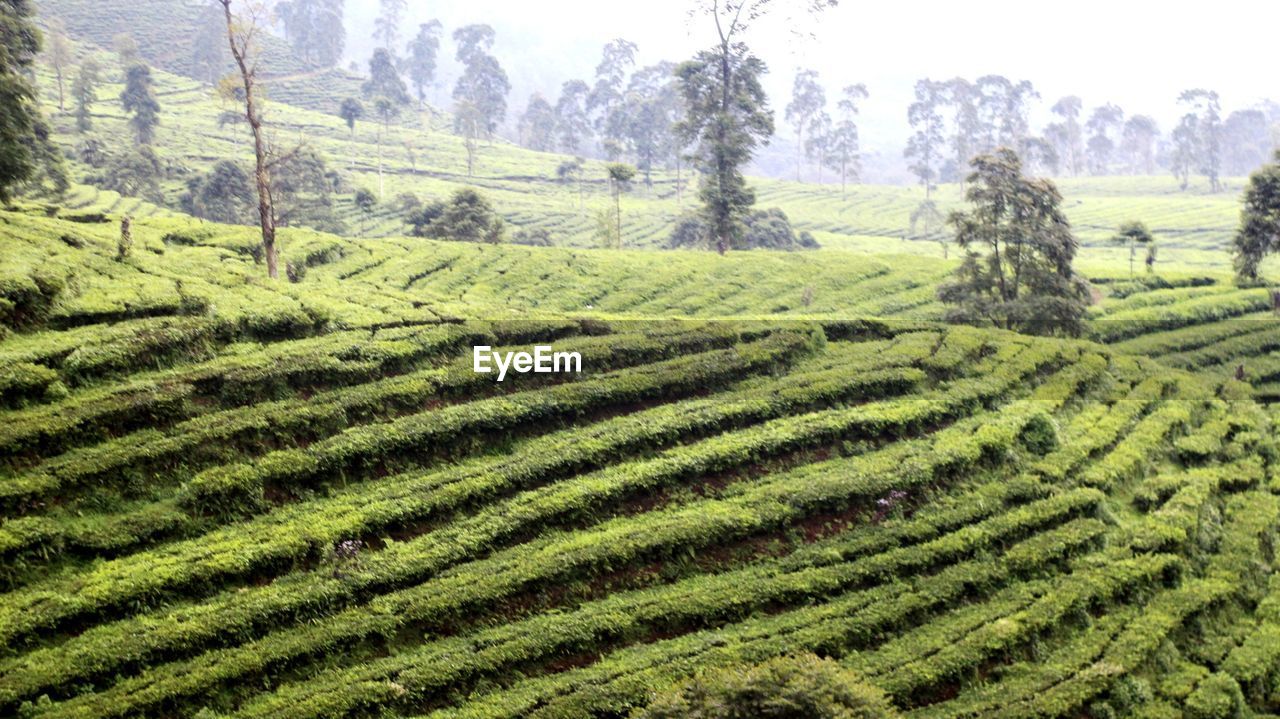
x: 227, y: 496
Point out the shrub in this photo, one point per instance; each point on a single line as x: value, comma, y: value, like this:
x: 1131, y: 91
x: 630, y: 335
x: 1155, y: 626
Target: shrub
x: 466, y: 217
x: 798, y: 687
x: 765, y: 229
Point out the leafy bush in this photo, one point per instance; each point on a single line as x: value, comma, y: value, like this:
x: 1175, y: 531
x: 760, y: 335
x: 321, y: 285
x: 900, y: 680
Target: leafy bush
x: 466, y: 217
x: 799, y: 687
x: 765, y: 229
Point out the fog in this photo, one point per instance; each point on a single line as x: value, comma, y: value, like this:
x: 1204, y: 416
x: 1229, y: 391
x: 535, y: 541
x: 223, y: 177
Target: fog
x: 1139, y: 55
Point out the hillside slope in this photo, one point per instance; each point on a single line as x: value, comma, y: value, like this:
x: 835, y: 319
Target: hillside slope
x: 297, y: 498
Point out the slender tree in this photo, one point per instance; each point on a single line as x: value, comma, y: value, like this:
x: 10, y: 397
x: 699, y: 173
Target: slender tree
x: 1204, y: 104
x: 807, y: 100
x: 209, y: 57
x: 573, y: 126
x: 483, y: 84
x: 139, y: 99
x: 651, y: 108
x: 469, y: 121
x: 350, y: 111
x: 242, y: 36
x: 424, y: 49
x: 386, y: 27
x: 620, y: 175
x: 1186, y: 148
x: 818, y: 144
x: 924, y: 146
x: 607, y: 99
x: 387, y: 91
x: 967, y: 133
x: 845, y: 154
x: 1132, y: 235
x: 60, y: 57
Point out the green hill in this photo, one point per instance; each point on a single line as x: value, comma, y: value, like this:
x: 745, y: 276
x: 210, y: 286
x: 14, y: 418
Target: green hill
x: 297, y: 498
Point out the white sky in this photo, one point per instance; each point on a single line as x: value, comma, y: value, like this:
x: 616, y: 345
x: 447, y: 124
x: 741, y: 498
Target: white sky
x: 1138, y: 54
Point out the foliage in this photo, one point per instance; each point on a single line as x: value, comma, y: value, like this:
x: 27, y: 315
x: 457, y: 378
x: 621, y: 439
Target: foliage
x: 139, y: 99
x: 794, y: 687
x: 421, y: 60
x: 315, y: 28
x: 225, y: 195
x: 1132, y: 234
x: 483, y: 85
x: 1259, y: 232
x: 768, y: 229
x: 466, y: 217
x: 84, y: 92
x: 1017, y: 271
x: 25, y: 148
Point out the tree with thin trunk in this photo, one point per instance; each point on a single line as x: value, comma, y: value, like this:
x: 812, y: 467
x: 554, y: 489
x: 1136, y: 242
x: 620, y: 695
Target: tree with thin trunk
x: 1066, y: 134
x: 925, y: 146
x: 59, y: 57
x: 139, y: 98
x: 1208, y: 113
x: 242, y: 33
x: 807, y: 100
x: 84, y: 92
x: 1132, y: 234
x: 620, y: 177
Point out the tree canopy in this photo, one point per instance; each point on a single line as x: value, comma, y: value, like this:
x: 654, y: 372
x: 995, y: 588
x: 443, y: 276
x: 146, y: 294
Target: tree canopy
x: 1017, y: 271
x: 1259, y: 233
x: 26, y: 152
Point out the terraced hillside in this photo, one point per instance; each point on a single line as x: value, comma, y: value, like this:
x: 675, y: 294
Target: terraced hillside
x: 421, y: 157
x: 297, y: 499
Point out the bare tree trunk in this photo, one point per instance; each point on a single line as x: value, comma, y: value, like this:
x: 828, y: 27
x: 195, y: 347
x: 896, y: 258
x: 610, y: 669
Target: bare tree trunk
x: 262, y: 171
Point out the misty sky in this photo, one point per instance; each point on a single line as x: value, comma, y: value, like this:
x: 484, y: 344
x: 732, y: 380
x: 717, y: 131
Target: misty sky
x: 1138, y: 54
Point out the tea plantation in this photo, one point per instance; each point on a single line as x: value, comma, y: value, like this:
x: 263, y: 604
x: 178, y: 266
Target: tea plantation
x: 225, y: 496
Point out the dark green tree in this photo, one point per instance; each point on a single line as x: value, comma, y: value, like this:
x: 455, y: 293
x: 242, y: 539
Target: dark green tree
x: 1017, y: 272
x: 466, y: 217
x: 315, y: 29
x: 607, y: 100
x: 1134, y: 234
x: 303, y: 187
x: 135, y: 172
x: 1259, y: 232
x: 537, y: 127
x: 792, y: 687
x: 807, y: 100
x: 139, y: 99
x: 84, y: 92
x: 424, y: 50
x: 573, y: 125
x: 350, y: 111
x: 483, y: 83
x: 365, y: 201
x: 27, y: 154
x: 1208, y: 113
x: 387, y: 91
x: 225, y: 195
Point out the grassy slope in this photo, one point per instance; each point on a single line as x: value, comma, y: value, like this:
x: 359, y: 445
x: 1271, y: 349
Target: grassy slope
x: 196, y: 441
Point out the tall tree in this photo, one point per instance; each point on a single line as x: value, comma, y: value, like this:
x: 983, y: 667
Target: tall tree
x: 1138, y: 143
x: 726, y: 112
x: 1102, y: 124
x: 84, y: 92
x: 483, y: 83
x: 1186, y: 148
x: 26, y: 152
x: 1003, y: 107
x: 386, y: 27
x: 242, y: 37
x: 469, y: 121
x: 315, y: 29
x: 1204, y: 104
x: 620, y: 175
x: 386, y: 90
x: 1066, y: 134
x: 209, y: 57
x: 807, y: 100
x: 652, y: 108
x: 573, y: 126
x: 819, y: 141
x: 139, y: 99
x: 607, y: 98
x: 967, y: 129
x: 925, y: 145
x: 1017, y: 272
x: 1247, y: 141
x: 424, y: 49
x: 1259, y: 233
x: 538, y: 124
x: 60, y: 57
x: 845, y: 155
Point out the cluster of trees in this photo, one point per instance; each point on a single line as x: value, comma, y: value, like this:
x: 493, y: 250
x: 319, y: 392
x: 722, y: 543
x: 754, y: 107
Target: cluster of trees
x: 828, y: 143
